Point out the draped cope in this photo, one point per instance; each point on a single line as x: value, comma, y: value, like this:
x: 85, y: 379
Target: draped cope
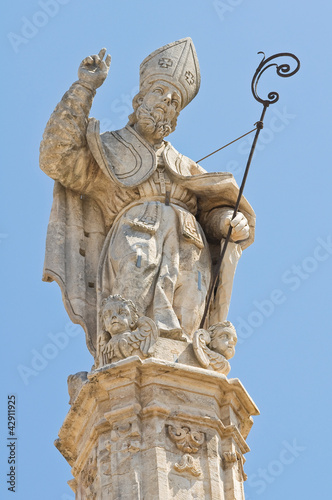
x: 127, y: 219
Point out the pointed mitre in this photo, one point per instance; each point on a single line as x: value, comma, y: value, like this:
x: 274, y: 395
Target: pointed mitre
x: 175, y: 63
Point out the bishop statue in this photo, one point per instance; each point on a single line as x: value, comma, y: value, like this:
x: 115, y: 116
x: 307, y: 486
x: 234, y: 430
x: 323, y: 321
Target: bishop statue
x: 132, y: 217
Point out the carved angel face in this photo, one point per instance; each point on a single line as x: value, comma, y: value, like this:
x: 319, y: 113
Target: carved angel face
x: 224, y: 341
x: 117, y: 317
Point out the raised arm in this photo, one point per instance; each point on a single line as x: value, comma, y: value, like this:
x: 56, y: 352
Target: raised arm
x: 64, y: 153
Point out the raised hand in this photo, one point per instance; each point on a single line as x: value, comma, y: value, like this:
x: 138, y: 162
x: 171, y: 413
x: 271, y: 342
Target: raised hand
x: 93, y: 70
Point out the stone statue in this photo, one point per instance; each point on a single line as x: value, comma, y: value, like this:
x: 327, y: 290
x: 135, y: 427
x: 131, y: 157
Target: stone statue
x: 122, y: 331
x: 215, y: 346
x: 133, y: 217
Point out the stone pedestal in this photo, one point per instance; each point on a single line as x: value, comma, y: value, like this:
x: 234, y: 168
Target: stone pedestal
x: 152, y: 429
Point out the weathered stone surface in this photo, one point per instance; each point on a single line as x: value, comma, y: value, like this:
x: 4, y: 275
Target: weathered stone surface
x: 213, y: 347
x: 157, y: 430
x: 122, y: 332
x: 131, y: 215
x: 75, y: 383
x: 134, y: 236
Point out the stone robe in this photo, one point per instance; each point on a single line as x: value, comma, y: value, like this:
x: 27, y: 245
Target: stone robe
x: 127, y: 219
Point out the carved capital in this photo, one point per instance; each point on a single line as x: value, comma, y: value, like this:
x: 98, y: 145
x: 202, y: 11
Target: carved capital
x: 234, y: 459
x: 185, y: 439
x: 127, y: 435
x: 229, y: 458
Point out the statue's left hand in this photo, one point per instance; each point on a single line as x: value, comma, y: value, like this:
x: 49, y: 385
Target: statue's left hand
x: 239, y: 224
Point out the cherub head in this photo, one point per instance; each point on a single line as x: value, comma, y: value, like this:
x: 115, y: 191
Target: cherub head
x: 118, y: 315
x: 223, y: 339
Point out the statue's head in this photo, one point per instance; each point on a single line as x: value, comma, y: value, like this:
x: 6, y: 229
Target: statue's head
x: 118, y: 315
x: 156, y: 108
x: 169, y: 80
x: 223, y: 338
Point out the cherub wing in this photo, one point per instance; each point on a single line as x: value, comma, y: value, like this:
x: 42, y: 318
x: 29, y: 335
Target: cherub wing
x: 145, y: 335
x: 200, y: 339
x: 218, y: 361
x: 206, y: 357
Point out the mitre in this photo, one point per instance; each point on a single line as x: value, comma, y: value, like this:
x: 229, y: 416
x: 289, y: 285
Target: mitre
x: 175, y: 63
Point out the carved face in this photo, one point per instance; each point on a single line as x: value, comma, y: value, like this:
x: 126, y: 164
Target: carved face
x: 117, y: 317
x: 224, y: 341
x: 158, y: 110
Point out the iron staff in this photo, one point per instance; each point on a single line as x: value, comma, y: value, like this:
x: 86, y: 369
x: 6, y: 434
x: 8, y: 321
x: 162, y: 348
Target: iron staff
x: 284, y: 71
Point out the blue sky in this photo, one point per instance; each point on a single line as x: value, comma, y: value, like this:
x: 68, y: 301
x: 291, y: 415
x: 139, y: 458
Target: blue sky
x: 282, y: 294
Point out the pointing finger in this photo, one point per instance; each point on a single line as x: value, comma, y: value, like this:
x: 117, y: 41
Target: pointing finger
x: 108, y: 60
x: 102, y: 53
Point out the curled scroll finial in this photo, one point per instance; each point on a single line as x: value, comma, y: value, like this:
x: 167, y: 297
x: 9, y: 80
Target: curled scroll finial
x: 283, y: 70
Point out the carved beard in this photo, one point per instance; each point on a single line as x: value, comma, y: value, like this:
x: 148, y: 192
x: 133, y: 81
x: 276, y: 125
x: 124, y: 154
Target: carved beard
x: 152, y: 122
